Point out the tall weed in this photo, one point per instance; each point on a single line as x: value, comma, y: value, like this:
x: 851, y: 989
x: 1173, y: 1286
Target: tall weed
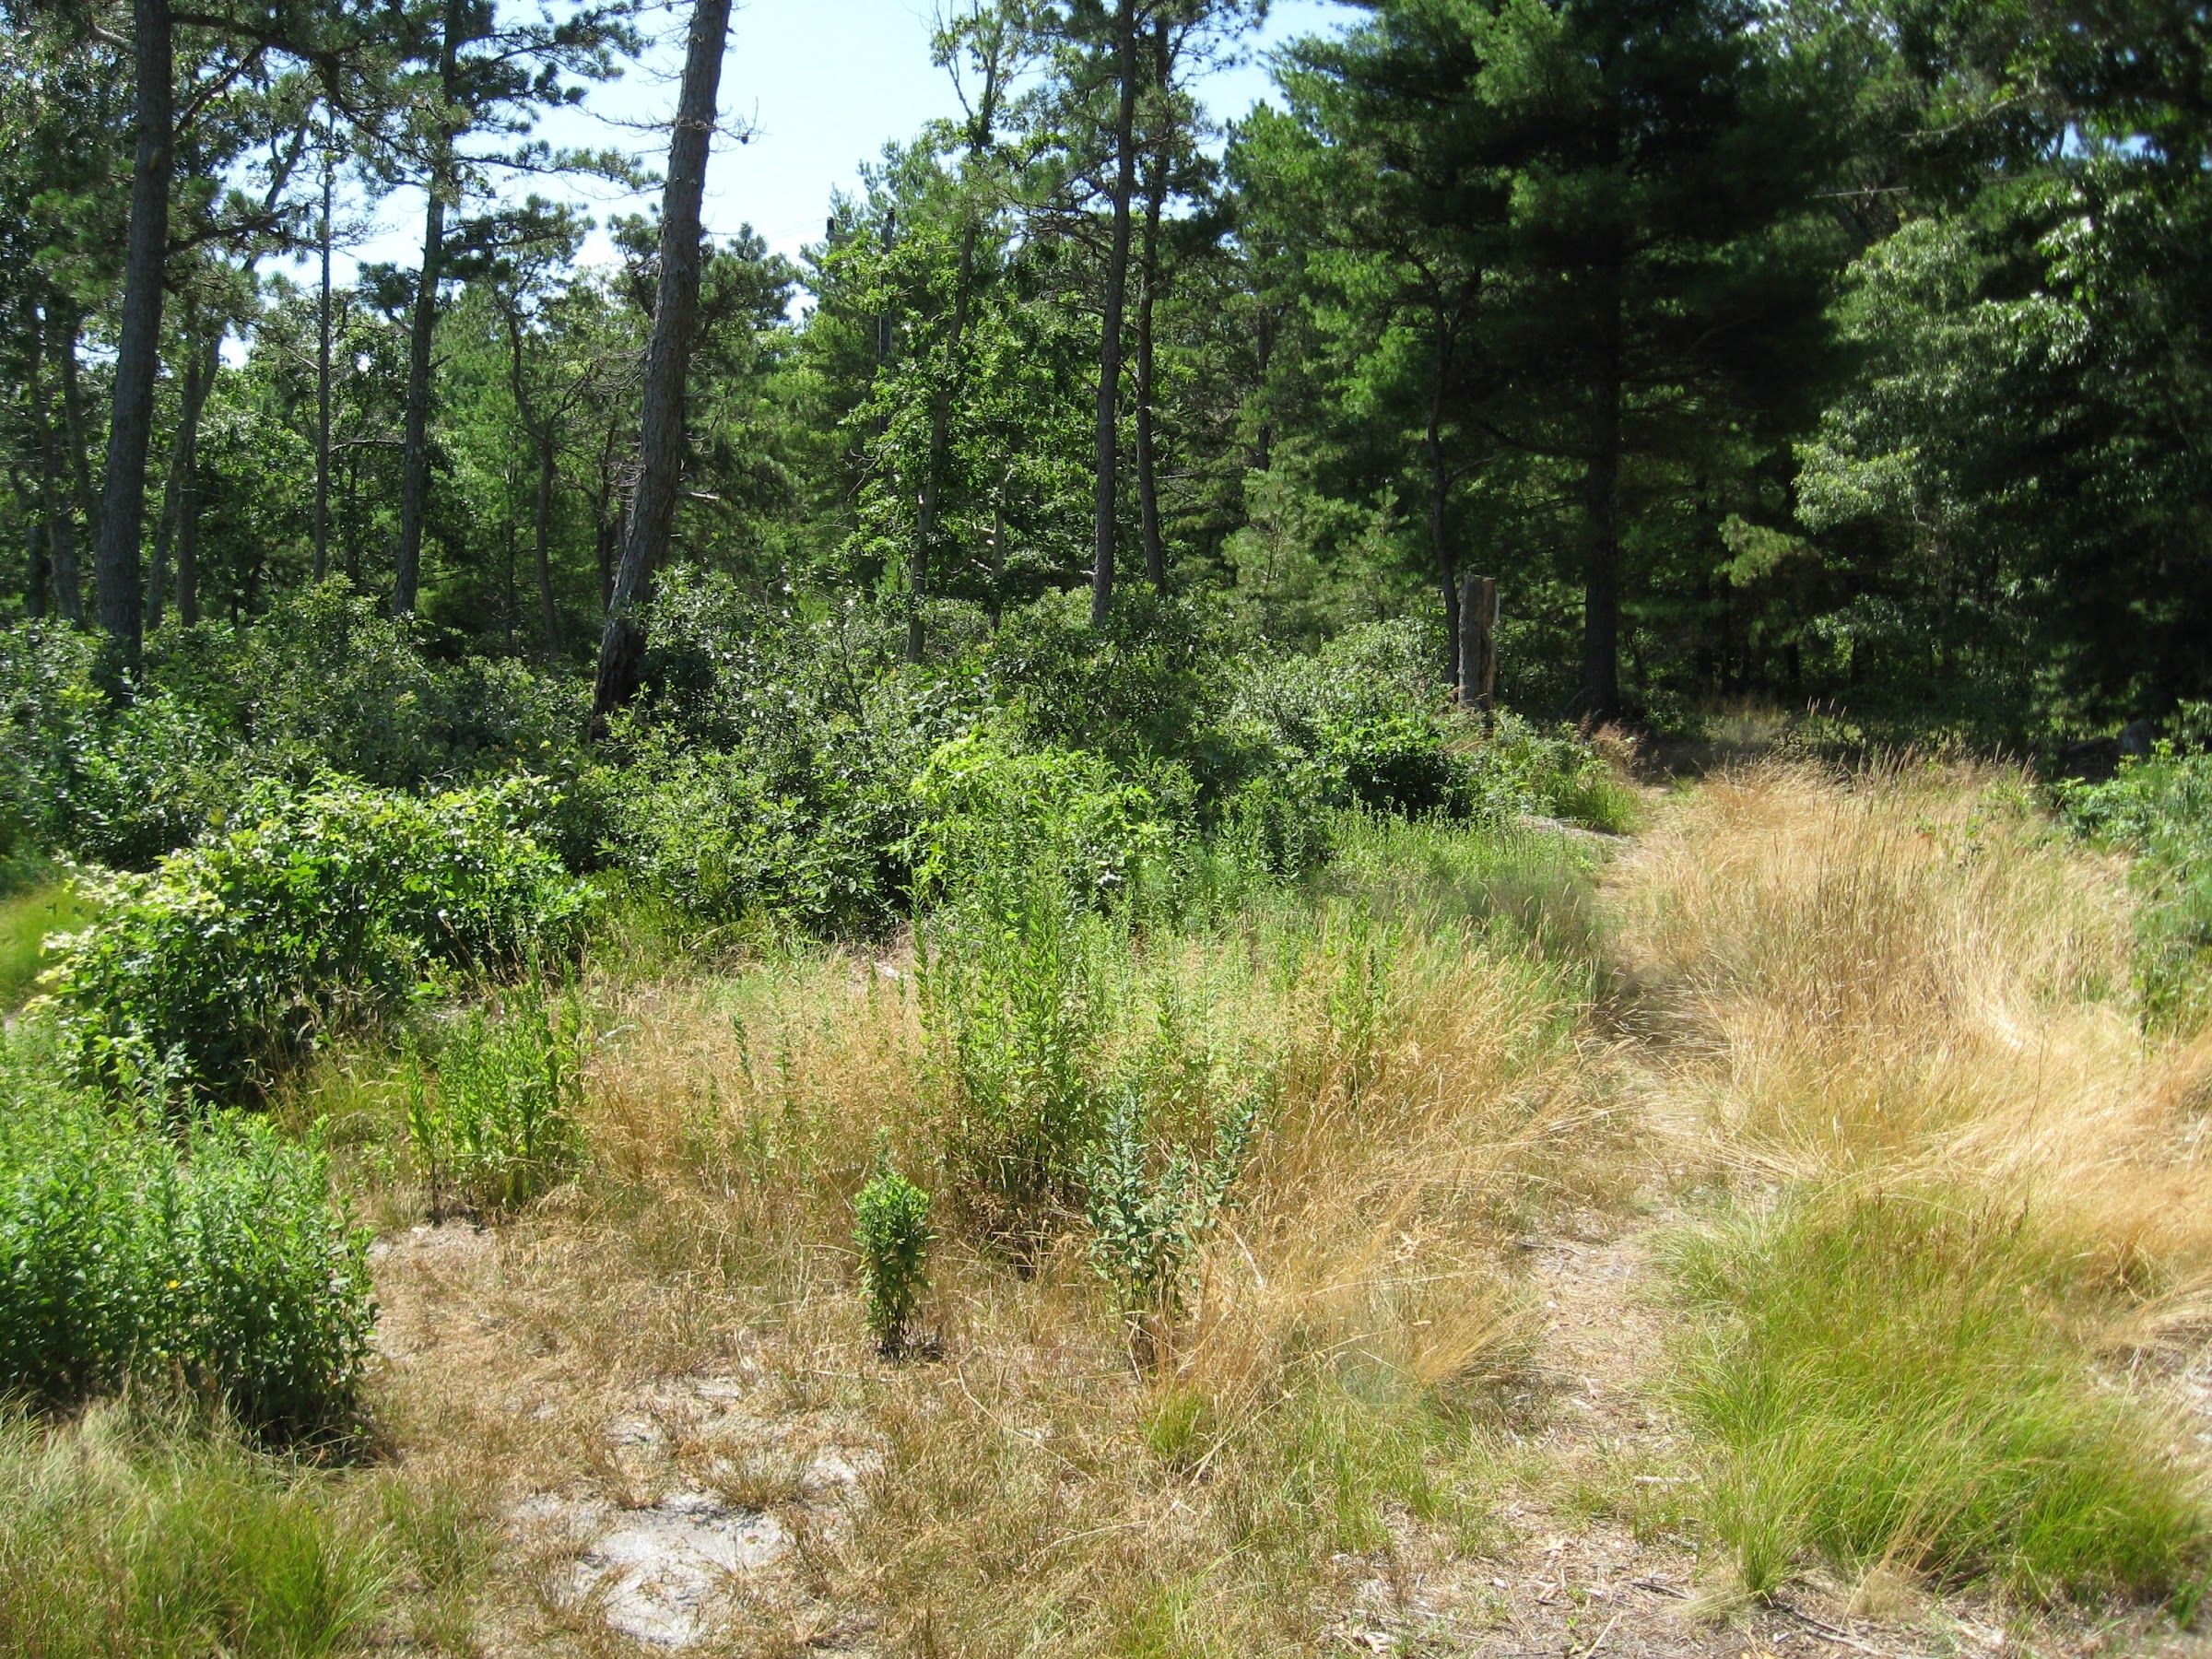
x: 493, y: 1120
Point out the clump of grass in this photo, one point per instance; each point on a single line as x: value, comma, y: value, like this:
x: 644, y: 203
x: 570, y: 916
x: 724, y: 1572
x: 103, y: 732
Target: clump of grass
x: 127, y: 1532
x: 26, y: 919
x: 1893, y: 1383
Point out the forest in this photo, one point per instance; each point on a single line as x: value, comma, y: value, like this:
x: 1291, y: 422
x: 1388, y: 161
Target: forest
x: 1426, y: 871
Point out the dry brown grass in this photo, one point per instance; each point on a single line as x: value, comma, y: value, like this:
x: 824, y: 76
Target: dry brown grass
x: 1902, y: 975
x: 1305, y: 1440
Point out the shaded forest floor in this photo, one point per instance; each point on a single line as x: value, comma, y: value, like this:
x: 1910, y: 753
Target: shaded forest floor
x: 663, y: 1423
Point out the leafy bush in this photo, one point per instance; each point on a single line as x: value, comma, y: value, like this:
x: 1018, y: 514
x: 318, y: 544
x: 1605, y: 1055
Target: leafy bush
x: 325, y: 682
x: 79, y: 775
x: 324, y: 905
x: 1888, y: 1381
x: 2161, y: 809
x: 769, y: 770
x: 216, y: 1258
x: 126, y: 1533
x: 1516, y: 770
x: 1145, y: 686
x: 494, y: 1122
x: 890, y: 1230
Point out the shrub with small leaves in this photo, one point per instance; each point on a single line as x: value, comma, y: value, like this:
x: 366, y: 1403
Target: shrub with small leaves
x: 892, y: 1234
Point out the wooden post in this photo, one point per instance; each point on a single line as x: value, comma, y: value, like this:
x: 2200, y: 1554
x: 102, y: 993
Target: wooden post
x: 1478, y: 687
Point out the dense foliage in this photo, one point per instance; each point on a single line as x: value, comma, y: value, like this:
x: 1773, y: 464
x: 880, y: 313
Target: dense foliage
x: 217, y: 1260
x: 321, y: 906
x: 1848, y: 354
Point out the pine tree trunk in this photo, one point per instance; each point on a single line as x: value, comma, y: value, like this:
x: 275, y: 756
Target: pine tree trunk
x: 1440, y: 495
x: 1117, y: 290
x: 116, y: 563
x: 1601, y: 515
x: 323, y: 322
x: 542, y: 534
x: 69, y: 327
x: 415, y: 467
x: 1148, y: 276
x: 180, y: 489
x: 1147, y: 487
x: 667, y: 360
x: 61, y: 519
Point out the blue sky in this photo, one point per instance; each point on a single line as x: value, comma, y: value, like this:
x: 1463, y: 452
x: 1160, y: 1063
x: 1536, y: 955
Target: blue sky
x: 825, y: 84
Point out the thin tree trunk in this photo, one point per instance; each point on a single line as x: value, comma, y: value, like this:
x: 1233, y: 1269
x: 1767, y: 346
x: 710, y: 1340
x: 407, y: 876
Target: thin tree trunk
x: 323, y: 322
x: 415, y: 467
x: 667, y: 359
x: 1147, y: 488
x: 1601, y: 511
x: 543, y: 533
x: 541, y: 435
x: 1156, y: 192
x: 61, y: 519
x: 34, y: 555
x: 940, y: 439
x: 137, y: 349
x: 415, y: 470
x: 1440, y: 493
x: 68, y: 325
x: 179, y: 496
x: 1117, y: 292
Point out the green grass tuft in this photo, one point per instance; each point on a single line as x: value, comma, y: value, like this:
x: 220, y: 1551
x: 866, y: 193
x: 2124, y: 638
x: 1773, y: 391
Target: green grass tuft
x: 124, y: 1534
x: 26, y: 919
x: 1888, y: 1382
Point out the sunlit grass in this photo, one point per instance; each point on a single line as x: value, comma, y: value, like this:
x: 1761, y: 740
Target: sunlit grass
x: 26, y: 919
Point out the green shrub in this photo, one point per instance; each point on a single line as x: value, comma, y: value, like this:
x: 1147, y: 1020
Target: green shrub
x: 2161, y: 809
x: 1026, y: 858
x: 124, y: 1533
x: 493, y: 1123
x: 215, y: 1257
x: 322, y: 906
x: 767, y: 772
x: 995, y: 821
x: 1888, y: 1381
x: 1518, y: 770
x: 1145, y: 685
x: 890, y: 1230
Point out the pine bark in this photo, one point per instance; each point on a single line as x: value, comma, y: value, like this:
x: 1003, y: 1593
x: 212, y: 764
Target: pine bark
x: 116, y: 560
x: 180, y: 522
x: 415, y: 472
x: 667, y: 361
x: 1117, y: 292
